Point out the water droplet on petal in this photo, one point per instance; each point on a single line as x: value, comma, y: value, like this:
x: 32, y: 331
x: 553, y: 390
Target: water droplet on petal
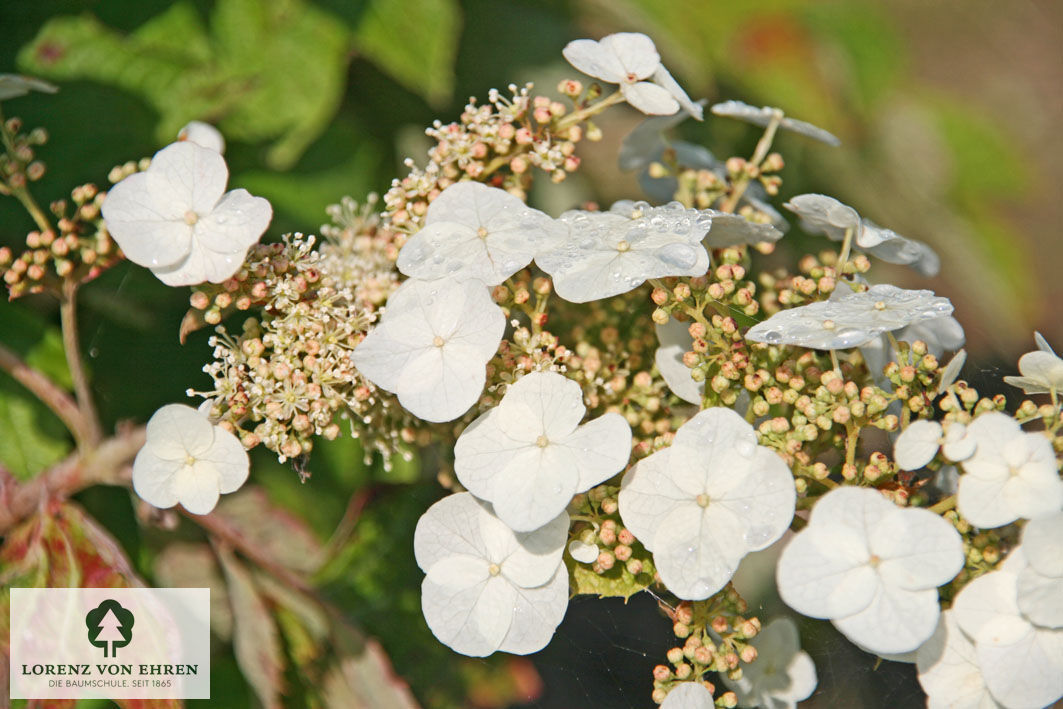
x: 745, y: 448
x: 772, y: 337
x: 679, y: 255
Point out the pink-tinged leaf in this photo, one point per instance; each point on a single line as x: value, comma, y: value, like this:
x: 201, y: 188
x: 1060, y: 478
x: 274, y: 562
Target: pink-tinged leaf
x: 255, y: 639
x: 188, y: 565
x: 362, y: 676
x: 270, y: 529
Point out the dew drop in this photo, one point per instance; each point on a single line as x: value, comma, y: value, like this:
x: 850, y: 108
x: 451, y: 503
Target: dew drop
x: 678, y: 255
x: 745, y: 448
x: 772, y: 337
x: 757, y: 536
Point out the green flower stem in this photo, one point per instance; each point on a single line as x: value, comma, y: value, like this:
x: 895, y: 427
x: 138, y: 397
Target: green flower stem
x: 92, y: 433
x: 21, y: 193
x: 759, y: 153
x: 847, y: 245
x: 563, y: 124
x: 944, y: 505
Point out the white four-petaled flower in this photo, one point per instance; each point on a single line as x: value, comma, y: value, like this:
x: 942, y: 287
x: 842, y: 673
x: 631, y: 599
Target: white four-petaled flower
x: 1012, y: 474
x: 528, y: 456
x: 188, y: 460
x: 475, y: 231
x: 948, y: 669
x: 850, y: 320
x: 628, y: 59
x: 871, y: 568
x: 782, y: 675
x: 177, y: 219
x: 432, y: 345
x: 1021, y: 662
x: 487, y: 587
x: 919, y: 443
x: 609, y: 253
x: 821, y: 214
x: 1042, y: 370
x: 706, y: 501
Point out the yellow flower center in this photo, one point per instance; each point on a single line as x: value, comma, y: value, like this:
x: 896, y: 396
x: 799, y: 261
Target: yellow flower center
x: 542, y: 441
x: 438, y: 341
x: 191, y: 217
x: 623, y: 246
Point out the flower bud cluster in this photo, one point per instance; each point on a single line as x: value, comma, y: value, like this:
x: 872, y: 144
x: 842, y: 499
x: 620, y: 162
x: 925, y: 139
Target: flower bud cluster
x: 715, y: 635
x: 620, y: 555
x: 288, y: 376
x: 497, y: 142
x: 77, y: 249
x: 18, y: 162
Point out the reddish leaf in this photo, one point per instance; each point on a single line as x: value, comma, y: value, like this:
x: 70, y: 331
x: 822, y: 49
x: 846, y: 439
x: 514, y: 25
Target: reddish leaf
x: 189, y: 565
x: 282, y: 536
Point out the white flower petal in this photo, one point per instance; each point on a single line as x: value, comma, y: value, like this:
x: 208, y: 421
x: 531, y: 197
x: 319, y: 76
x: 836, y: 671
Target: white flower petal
x: 600, y: 449
x: 987, y: 610
x: 536, y: 614
x: 196, y: 487
x: 675, y: 340
x: 203, y: 135
x: 958, y: 445
x: 583, y: 553
x: 695, y: 550
x: 735, y: 230
x: 152, y: 477
x: 635, y: 51
x: 176, y: 430
x: 821, y: 214
x: 651, y: 491
x: 825, y: 574
x: 536, y: 486
x: 763, y: 116
x: 15, y: 85
x: 1042, y: 543
x: 452, y: 526
x: 917, y: 445
x: 541, y: 403
x: 229, y: 458
x: 475, y: 231
x: 148, y: 237
x: 237, y: 221
x: 948, y: 669
x: 590, y: 58
x: 895, y: 621
x: 665, y: 79
x: 650, y: 98
x: 1040, y: 598
x: 536, y: 555
x: 782, y: 674
x: 918, y: 549
x: 978, y: 500
x: 1027, y: 673
x: 432, y: 345
x: 185, y: 176
x: 688, y: 695
x: 850, y: 320
x: 471, y: 620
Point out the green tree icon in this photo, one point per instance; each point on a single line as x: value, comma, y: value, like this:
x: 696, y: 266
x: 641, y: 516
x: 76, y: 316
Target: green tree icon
x: 110, y: 623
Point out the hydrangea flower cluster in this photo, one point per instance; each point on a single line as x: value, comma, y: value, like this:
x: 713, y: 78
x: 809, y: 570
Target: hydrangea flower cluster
x: 685, y: 409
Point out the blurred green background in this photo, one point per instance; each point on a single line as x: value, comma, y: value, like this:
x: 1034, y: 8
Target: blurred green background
x: 948, y: 113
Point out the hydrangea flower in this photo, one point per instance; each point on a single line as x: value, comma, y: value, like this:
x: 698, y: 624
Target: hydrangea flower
x: 1042, y: 370
x: 176, y: 218
x: 948, y: 669
x: 1012, y: 474
x: 689, y: 695
x: 919, y: 443
x: 1020, y: 662
x: 821, y: 214
x: 488, y: 588
x: 628, y: 59
x: 204, y: 135
x: 432, y: 345
x: 1040, y: 590
x: 871, y: 568
x: 609, y: 253
x: 764, y: 115
x: 782, y: 675
x: 475, y: 231
x: 675, y: 340
x: 188, y: 460
x: 706, y: 501
x: 850, y: 320
x: 528, y: 456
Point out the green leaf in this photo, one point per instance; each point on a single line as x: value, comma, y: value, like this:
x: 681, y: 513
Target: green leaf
x: 33, y: 438
x: 39, y: 344
x: 416, y: 42
x: 267, y: 69
x: 617, y: 581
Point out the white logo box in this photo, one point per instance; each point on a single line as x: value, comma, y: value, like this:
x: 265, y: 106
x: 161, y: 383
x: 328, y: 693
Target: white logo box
x: 114, y: 643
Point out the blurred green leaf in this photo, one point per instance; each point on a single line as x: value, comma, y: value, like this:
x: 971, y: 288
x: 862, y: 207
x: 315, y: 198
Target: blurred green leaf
x: 287, y: 92
x: 33, y: 438
x: 39, y: 344
x: 416, y: 42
